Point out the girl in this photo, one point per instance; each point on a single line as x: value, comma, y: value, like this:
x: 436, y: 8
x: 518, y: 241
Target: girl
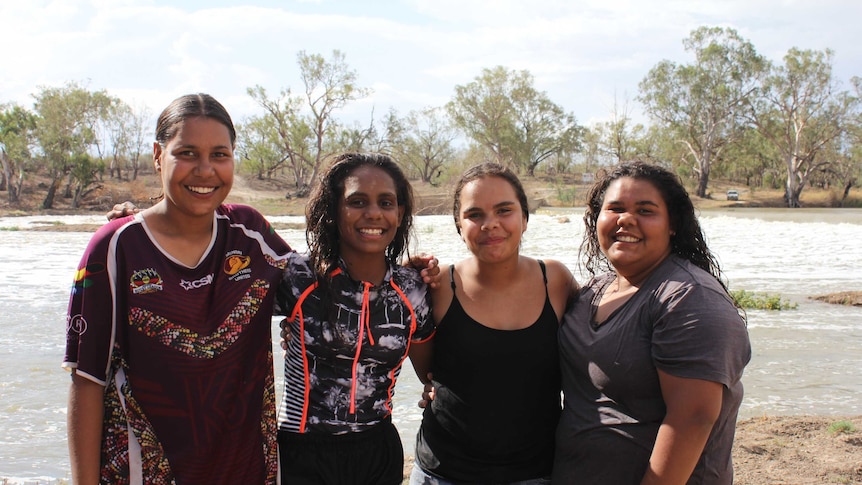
x: 654, y: 348
x: 168, y: 335
x: 355, y: 315
x: 498, y: 314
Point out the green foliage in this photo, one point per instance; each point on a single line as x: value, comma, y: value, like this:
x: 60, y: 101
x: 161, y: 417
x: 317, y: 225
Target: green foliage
x: 567, y: 194
x: 517, y: 125
x: 839, y: 427
x: 761, y: 301
x: 299, y: 130
x: 702, y: 102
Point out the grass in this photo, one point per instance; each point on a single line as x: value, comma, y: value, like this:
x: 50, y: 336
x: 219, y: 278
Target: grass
x: 750, y: 300
x: 839, y: 427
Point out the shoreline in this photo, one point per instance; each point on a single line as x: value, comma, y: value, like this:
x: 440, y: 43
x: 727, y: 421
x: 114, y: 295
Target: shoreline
x: 791, y: 449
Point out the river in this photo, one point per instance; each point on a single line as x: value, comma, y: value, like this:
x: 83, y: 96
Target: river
x: 805, y: 361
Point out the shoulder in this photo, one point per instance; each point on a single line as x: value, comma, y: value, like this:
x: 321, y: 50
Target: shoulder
x: 678, y: 274
x: 682, y: 287
x: 116, y: 228
x: 405, y: 275
x: 242, y: 215
x: 250, y: 221
x: 558, y: 273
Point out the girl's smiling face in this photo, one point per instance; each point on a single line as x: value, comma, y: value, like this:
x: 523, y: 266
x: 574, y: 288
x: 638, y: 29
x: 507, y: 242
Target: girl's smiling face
x: 491, y: 221
x: 368, y: 213
x: 196, y: 166
x: 634, y: 228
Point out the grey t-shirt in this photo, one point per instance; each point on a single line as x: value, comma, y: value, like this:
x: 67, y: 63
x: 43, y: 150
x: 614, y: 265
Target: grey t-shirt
x: 680, y: 321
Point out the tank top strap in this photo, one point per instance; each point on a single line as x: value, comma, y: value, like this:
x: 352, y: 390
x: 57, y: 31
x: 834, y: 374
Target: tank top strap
x: 545, y: 278
x: 452, y: 277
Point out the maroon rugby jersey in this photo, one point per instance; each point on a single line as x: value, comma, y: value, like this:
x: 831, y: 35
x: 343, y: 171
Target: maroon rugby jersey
x: 185, y: 353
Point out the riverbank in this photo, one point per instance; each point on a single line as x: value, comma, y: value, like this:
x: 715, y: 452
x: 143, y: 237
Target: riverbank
x: 791, y: 450
x: 269, y: 196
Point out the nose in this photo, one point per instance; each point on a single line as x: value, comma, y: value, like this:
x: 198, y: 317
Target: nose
x: 490, y: 222
x: 625, y: 219
x: 205, y: 166
x: 373, y: 211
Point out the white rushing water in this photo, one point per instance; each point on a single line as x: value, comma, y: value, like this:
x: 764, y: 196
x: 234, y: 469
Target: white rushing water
x: 805, y: 361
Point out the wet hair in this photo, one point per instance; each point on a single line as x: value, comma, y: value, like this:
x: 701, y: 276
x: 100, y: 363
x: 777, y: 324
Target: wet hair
x: 321, y: 213
x: 190, y: 106
x: 687, y: 241
x: 488, y: 169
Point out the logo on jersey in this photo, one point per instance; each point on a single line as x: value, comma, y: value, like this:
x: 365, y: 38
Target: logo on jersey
x: 145, y: 281
x: 191, y: 285
x: 236, y: 266
x: 76, y: 324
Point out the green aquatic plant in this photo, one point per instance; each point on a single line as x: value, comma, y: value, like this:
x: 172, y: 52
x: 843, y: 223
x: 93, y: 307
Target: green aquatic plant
x: 750, y: 300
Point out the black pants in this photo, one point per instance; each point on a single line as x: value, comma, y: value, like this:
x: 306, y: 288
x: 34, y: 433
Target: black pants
x: 373, y: 457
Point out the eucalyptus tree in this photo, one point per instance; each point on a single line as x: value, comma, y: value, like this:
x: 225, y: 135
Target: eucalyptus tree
x: 518, y: 125
x: 702, y: 101
x: 428, y: 143
x: 121, y: 135
x: 259, y: 148
x: 618, y: 136
x: 802, y: 110
x: 17, y: 128
x: 304, y: 122
x: 845, y: 151
x: 66, y: 118
x: 752, y: 160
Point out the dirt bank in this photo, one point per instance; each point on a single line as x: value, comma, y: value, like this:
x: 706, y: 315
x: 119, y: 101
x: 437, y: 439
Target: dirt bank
x: 792, y: 450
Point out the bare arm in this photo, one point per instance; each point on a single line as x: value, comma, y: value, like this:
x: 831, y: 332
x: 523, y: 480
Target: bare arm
x: 562, y: 286
x: 693, y: 406
x: 84, y: 425
x: 420, y: 357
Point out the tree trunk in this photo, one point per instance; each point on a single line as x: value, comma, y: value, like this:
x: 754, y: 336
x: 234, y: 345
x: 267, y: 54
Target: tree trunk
x: 847, y: 187
x: 7, y: 176
x: 48, y: 203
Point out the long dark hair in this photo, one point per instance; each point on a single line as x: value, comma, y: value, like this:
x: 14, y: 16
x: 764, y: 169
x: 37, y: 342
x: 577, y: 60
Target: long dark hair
x: 321, y: 213
x: 488, y: 169
x: 190, y: 106
x: 687, y: 241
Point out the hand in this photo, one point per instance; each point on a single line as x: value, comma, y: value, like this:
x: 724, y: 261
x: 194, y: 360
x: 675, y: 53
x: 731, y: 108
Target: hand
x: 428, y: 266
x: 286, y: 336
x: 122, y: 210
x: 427, y: 393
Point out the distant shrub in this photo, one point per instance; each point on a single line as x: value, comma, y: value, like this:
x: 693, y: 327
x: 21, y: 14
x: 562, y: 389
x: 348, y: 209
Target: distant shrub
x: 566, y: 194
x: 750, y: 300
x: 839, y: 427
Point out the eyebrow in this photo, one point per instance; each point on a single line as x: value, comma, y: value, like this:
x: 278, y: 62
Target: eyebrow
x: 191, y: 145
x: 498, y: 205
x: 640, y: 202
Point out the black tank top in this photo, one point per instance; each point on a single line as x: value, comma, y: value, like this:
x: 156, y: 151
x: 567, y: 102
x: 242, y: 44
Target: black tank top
x: 497, y: 399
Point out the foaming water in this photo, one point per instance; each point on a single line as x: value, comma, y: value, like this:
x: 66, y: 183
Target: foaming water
x: 804, y: 361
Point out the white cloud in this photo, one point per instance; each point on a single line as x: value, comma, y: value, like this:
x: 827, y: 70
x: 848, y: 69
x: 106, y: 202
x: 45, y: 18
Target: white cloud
x: 585, y: 54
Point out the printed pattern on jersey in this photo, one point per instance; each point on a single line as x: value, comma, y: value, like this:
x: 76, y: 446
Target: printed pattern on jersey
x: 340, y: 373
x: 202, y: 346
x: 115, y: 450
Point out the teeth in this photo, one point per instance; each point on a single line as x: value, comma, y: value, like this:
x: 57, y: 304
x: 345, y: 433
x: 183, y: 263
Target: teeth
x: 371, y: 232
x: 200, y: 190
x: 627, y: 239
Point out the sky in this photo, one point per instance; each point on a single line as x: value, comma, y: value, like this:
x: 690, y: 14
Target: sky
x: 587, y: 55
